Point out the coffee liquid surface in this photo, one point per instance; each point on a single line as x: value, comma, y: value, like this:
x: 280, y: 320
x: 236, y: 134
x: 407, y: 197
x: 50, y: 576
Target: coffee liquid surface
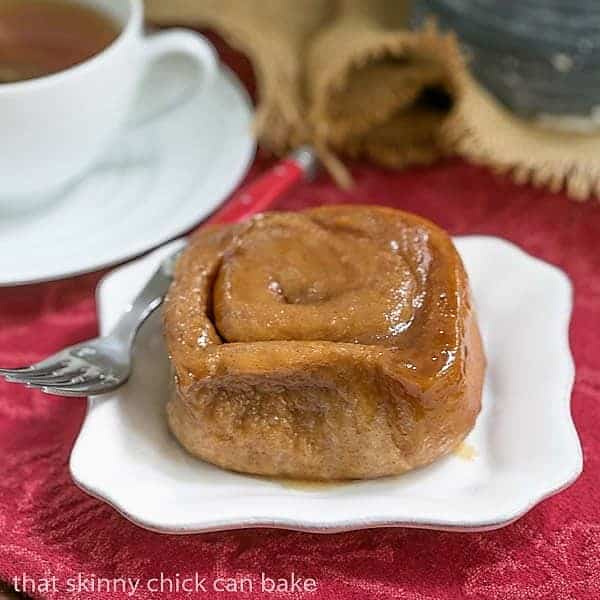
x: 41, y: 37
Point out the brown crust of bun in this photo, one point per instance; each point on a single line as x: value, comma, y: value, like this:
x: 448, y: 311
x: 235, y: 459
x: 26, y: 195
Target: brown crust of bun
x: 332, y: 408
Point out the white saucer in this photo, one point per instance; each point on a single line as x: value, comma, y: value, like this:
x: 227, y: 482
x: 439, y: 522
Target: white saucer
x: 157, y: 181
x: 523, y: 449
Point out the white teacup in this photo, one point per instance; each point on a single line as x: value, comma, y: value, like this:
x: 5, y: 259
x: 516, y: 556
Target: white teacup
x: 53, y: 128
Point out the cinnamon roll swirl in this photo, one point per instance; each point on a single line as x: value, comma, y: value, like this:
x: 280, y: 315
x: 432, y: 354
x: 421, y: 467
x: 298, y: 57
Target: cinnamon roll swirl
x: 334, y: 343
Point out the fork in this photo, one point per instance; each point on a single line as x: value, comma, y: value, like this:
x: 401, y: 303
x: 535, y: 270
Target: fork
x: 103, y: 364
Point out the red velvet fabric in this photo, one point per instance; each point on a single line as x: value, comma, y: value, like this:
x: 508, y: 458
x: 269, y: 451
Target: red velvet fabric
x: 48, y: 527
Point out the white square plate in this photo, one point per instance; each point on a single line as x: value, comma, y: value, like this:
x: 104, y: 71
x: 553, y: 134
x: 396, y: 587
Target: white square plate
x: 524, y: 445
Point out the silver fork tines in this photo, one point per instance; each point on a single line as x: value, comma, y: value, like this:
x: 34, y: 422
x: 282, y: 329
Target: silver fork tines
x: 102, y: 364
x: 55, y: 375
x: 27, y: 371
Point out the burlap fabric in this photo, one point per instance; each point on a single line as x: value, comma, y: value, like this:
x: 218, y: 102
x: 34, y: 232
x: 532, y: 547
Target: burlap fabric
x: 348, y: 77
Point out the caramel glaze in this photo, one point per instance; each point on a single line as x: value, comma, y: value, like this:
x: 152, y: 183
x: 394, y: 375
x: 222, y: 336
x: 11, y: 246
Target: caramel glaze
x: 335, y: 343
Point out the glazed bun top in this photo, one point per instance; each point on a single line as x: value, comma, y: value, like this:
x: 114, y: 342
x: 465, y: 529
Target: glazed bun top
x: 364, y: 275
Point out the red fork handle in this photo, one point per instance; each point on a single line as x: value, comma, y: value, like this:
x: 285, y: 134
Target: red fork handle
x: 261, y: 194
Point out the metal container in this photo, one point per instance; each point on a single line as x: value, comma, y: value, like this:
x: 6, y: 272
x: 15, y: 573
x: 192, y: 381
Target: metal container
x: 535, y: 56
